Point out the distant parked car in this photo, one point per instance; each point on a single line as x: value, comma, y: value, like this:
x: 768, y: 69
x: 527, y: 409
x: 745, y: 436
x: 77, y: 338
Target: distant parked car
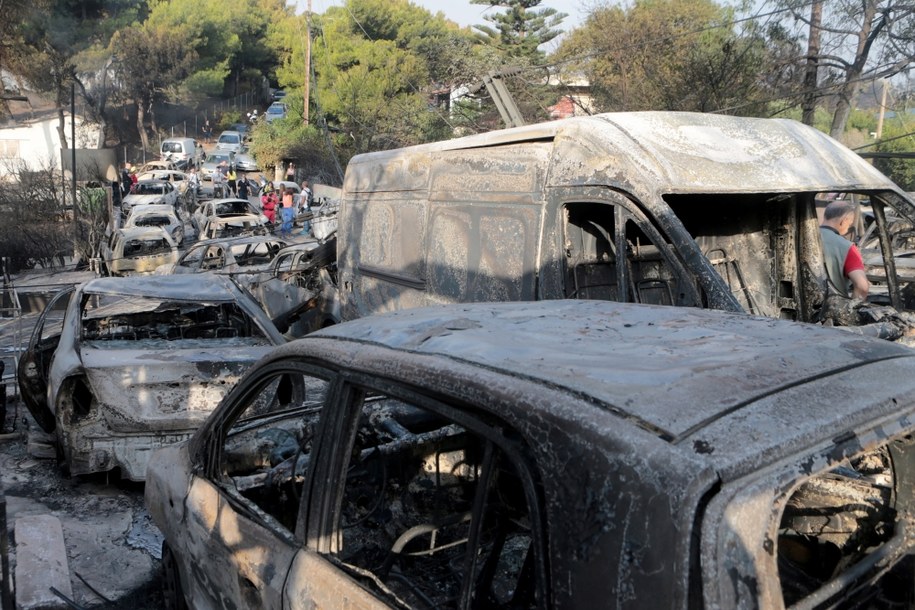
x: 556, y: 454
x: 138, y: 250
x: 157, y: 215
x: 277, y: 110
x: 229, y: 255
x: 185, y: 153
x: 279, y: 95
x: 138, y: 364
x: 230, y: 140
x: 243, y: 129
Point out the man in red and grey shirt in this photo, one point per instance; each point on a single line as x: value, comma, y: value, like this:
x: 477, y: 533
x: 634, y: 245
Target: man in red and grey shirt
x: 844, y: 265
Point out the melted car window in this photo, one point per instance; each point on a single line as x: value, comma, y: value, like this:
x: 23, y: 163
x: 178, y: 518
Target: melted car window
x: 436, y: 512
x: 144, y: 247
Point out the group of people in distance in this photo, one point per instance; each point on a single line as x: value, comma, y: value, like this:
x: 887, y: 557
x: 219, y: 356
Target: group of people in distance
x: 279, y: 206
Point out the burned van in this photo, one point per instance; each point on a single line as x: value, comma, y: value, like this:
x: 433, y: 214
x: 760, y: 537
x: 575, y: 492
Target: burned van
x: 665, y: 208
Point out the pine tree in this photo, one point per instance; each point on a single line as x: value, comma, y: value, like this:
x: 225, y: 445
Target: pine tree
x: 521, y: 29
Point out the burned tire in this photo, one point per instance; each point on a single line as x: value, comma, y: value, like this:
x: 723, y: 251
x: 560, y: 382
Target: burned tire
x: 172, y: 592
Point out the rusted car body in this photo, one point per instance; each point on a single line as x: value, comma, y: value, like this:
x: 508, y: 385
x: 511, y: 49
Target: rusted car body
x: 227, y: 255
x: 138, y: 250
x: 219, y: 216
x: 298, y: 289
x: 159, y: 215
x: 667, y: 208
x: 547, y: 455
x: 138, y: 363
x: 150, y: 192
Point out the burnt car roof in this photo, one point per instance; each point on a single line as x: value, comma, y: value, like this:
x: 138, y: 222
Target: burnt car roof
x: 679, y: 152
x: 677, y: 373
x: 200, y: 287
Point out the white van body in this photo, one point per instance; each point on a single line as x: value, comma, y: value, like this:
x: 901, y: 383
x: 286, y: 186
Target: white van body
x: 183, y: 152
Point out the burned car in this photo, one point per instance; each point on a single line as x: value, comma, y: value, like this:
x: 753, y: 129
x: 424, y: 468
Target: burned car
x: 231, y: 211
x: 137, y: 364
x: 138, y: 250
x: 158, y: 215
x: 547, y: 455
x: 667, y: 208
x: 228, y: 255
x: 150, y: 192
x: 298, y: 288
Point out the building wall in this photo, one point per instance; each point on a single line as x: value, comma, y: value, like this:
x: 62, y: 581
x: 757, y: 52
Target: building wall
x: 36, y: 145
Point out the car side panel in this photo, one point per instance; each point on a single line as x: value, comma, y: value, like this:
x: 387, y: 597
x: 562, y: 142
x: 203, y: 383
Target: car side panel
x: 314, y: 582
x: 228, y: 557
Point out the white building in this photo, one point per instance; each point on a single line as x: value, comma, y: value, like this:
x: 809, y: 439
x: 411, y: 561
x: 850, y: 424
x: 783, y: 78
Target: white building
x: 30, y: 139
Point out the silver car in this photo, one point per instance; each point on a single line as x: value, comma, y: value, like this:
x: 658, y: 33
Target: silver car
x: 230, y: 140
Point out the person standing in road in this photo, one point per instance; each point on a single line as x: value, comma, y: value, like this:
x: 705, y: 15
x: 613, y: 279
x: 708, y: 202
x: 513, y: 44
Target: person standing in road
x: 305, y: 200
x: 243, y: 188
x: 126, y: 182
x: 207, y: 130
x: 290, y: 172
x: 844, y: 265
x: 232, y: 180
x: 193, y: 188
x: 268, y: 202
x: 288, y: 211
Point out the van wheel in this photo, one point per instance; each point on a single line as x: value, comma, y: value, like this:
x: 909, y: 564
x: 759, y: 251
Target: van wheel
x: 172, y: 592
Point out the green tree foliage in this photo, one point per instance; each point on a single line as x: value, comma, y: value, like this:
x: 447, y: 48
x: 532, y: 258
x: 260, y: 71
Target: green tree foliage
x: 895, y: 139
x: 229, y: 38
x: 149, y: 60
x: 375, y: 63
x: 672, y: 55
x: 519, y: 31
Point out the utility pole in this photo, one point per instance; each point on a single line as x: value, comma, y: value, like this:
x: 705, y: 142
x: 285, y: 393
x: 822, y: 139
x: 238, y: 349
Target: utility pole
x: 501, y: 96
x: 809, y: 101
x: 882, y: 109
x: 307, y: 61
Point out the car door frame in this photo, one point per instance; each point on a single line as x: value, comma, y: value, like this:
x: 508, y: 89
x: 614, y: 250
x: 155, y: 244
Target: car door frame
x: 40, y: 353
x: 207, y: 449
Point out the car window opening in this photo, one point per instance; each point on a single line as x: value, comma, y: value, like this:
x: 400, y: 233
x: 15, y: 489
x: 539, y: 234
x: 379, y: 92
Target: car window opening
x: 624, y: 265
x: 146, y: 247
x: 125, y: 319
x: 832, y: 524
x: 435, y: 512
x: 267, y: 450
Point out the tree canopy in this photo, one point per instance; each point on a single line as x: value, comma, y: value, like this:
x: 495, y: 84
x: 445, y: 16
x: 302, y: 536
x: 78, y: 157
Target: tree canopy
x: 521, y: 29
